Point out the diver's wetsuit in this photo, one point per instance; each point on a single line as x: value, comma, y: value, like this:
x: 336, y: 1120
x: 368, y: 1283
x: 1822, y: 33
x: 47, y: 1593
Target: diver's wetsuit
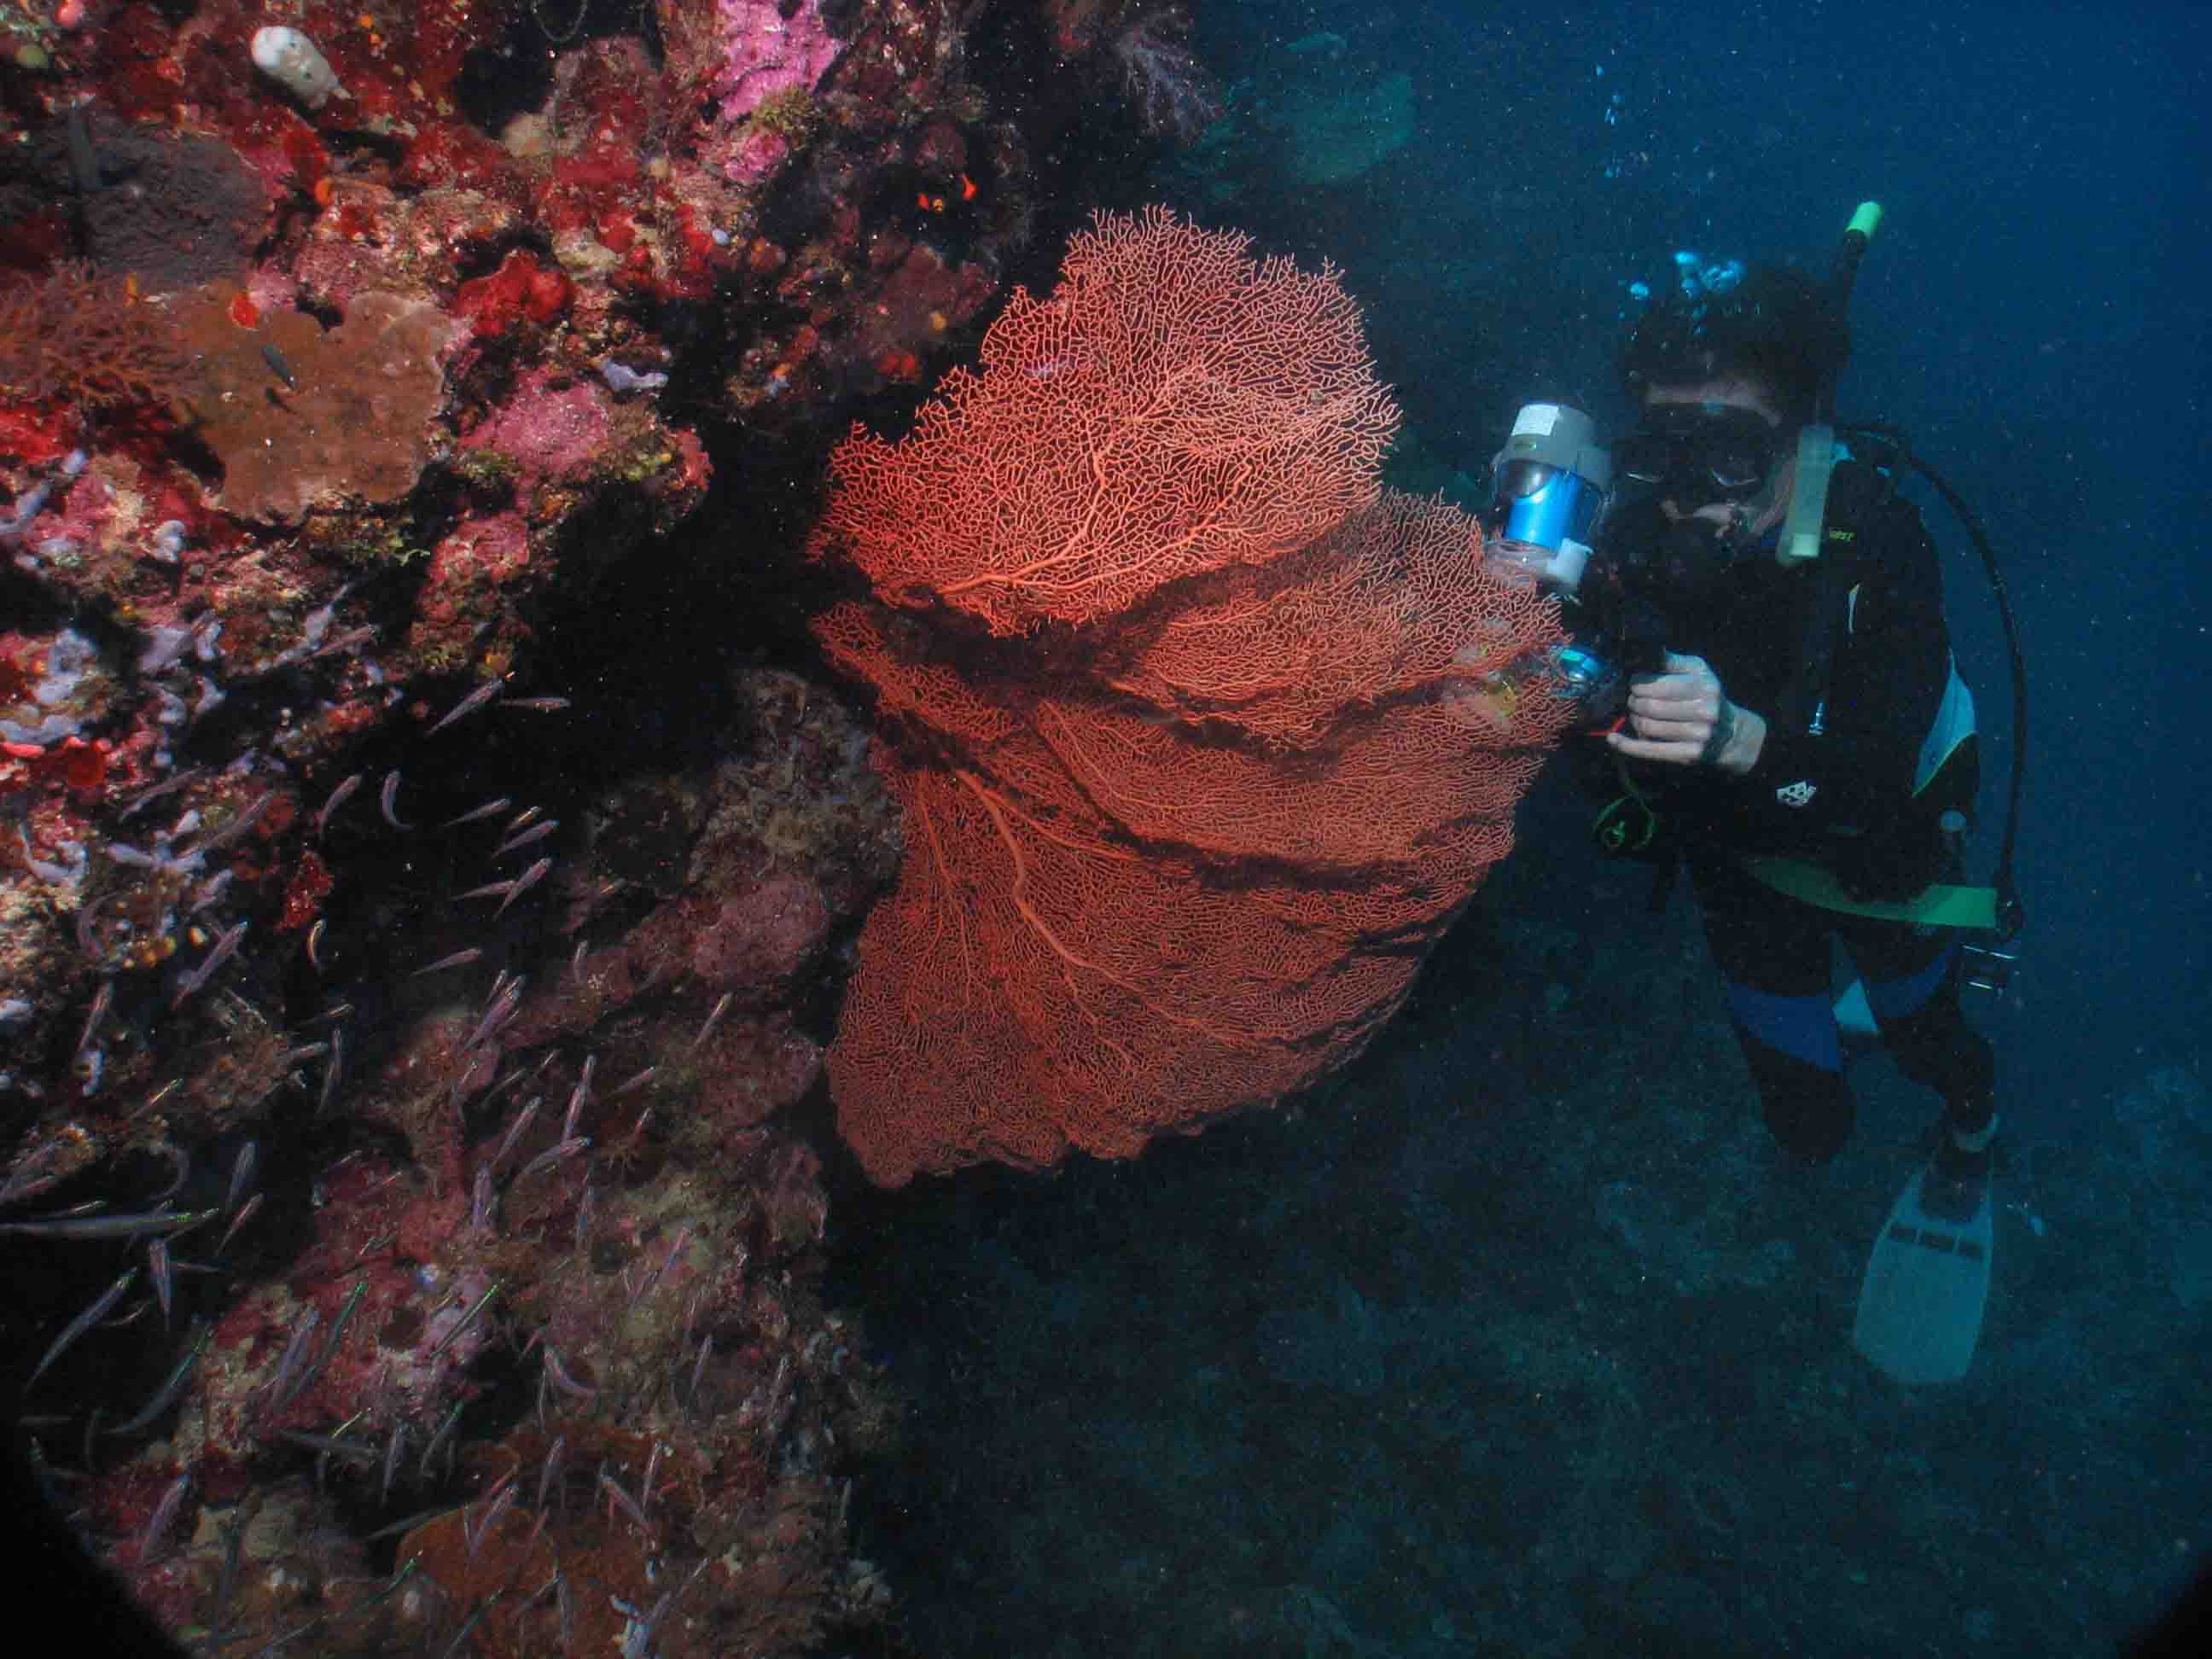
x: 1844, y: 800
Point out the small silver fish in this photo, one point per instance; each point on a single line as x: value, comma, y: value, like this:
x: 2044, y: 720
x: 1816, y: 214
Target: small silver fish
x: 339, y: 797
x: 468, y: 705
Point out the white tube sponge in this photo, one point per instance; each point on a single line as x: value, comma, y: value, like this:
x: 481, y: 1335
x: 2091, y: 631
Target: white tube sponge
x: 290, y: 58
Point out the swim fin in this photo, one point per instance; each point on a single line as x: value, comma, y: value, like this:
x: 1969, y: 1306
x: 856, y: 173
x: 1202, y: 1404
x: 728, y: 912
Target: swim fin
x: 1927, y: 1282
x: 1854, y: 1014
x: 1855, y: 1031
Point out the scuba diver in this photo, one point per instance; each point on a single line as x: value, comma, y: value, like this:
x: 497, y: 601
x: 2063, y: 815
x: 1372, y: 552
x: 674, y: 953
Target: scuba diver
x: 1761, y: 641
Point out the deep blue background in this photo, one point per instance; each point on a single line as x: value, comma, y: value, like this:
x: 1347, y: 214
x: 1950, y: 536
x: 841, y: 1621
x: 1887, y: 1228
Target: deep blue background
x: 2034, y: 312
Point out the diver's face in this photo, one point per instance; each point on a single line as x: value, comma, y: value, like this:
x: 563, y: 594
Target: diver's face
x: 1731, y: 394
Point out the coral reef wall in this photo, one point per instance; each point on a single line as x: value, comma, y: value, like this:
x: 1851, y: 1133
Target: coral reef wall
x: 412, y: 1221
x: 1200, y: 739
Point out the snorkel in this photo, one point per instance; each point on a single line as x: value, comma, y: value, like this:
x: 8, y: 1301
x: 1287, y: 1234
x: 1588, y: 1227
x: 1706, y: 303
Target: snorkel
x: 1816, y: 441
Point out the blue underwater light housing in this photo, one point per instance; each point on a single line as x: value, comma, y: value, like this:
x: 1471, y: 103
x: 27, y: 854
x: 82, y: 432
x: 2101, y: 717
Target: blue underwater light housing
x: 1553, y: 482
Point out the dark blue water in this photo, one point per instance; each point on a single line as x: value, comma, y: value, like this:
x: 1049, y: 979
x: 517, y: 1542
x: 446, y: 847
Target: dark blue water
x: 1513, y: 1342
x: 2032, y: 314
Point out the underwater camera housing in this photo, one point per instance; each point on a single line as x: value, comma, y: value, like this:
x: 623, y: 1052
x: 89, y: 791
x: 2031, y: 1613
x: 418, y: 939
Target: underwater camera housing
x: 1553, y: 482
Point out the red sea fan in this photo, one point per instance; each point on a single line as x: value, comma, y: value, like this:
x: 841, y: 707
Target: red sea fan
x: 1177, y: 839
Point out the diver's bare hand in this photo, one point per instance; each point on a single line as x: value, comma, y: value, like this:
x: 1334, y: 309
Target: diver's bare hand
x: 1681, y: 717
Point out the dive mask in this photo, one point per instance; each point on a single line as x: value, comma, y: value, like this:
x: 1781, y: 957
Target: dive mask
x: 1696, y: 454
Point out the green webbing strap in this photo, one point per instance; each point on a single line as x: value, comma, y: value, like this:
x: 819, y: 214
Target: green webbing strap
x: 1938, y: 905
x: 1625, y: 825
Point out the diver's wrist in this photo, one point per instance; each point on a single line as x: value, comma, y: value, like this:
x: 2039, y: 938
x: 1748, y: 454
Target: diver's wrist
x: 1745, y: 742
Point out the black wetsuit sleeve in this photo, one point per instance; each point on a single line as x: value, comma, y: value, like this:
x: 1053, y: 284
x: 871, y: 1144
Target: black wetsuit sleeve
x: 1892, y: 664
